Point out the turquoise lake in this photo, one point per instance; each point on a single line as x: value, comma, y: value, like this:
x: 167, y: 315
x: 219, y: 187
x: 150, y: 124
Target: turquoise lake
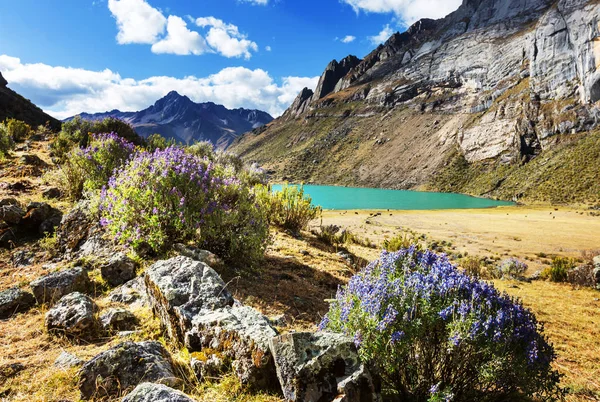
x: 333, y: 197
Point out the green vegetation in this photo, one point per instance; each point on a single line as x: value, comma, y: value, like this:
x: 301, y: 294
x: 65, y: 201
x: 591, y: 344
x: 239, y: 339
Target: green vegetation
x: 291, y: 209
x: 157, y: 141
x: 6, y: 141
x: 566, y: 174
x: 18, y: 130
x: 558, y: 271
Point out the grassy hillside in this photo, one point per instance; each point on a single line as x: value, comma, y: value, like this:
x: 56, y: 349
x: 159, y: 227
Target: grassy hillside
x: 566, y: 174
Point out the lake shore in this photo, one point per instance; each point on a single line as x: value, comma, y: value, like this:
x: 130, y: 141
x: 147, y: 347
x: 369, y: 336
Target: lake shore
x: 525, y: 232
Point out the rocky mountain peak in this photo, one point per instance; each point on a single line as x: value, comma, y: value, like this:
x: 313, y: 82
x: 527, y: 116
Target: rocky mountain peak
x: 333, y: 73
x: 3, y: 82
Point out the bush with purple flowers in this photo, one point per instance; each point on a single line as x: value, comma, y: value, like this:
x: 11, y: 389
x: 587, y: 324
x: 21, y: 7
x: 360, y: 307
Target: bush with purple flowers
x: 434, y: 333
x: 88, y: 169
x: 170, y: 196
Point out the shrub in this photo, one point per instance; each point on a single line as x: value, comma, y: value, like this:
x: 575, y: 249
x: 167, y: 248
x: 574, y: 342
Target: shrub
x: 328, y: 234
x: 431, y: 331
x: 6, y: 141
x: 157, y: 141
x: 202, y: 149
x: 559, y: 269
x: 229, y: 159
x: 401, y: 241
x: 472, y: 266
x: 88, y: 169
x: 509, y: 269
x: 172, y: 196
x: 121, y: 128
x: 17, y: 129
x: 291, y: 209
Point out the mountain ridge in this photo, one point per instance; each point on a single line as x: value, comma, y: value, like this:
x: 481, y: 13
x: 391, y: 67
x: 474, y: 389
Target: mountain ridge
x: 177, y: 116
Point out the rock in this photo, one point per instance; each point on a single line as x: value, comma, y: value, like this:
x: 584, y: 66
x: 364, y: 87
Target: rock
x: 194, y: 305
x: 118, y: 319
x: 125, y: 366
x: 597, y: 271
x: 536, y: 276
x: 41, y: 218
x: 8, y: 237
x: 9, y: 201
x: 118, y: 270
x: 49, y: 225
x: 75, y: 228
x: 321, y: 367
x: 52, y: 193
x: 132, y: 293
x: 66, y: 361
x: 241, y: 334
x: 32, y: 160
x: 22, y: 258
x: 73, y: 316
x: 14, y: 301
x: 51, y: 287
x: 10, y: 370
x: 195, y: 253
x: 3, y: 82
x: 179, y: 288
x: 333, y: 73
x: 300, y: 104
x: 11, y: 214
x: 149, y: 392
x: 208, y: 369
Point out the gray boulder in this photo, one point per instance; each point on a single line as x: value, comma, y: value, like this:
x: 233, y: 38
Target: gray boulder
x: 66, y: 361
x: 199, y: 255
x: 125, y: 366
x: 11, y: 214
x: 73, y: 316
x: 321, y: 367
x: 132, y: 293
x: 149, y: 392
x: 118, y: 319
x: 22, y: 258
x: 597, y: 271
x: 14, y: 301
x: 118, y: 270
x: 51, y: 287
x: 210, y: 368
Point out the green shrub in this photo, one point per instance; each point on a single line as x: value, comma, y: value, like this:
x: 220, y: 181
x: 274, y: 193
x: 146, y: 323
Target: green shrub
x: 88, y: 169
x: 202, y: 149
x: 291, y: 209
x: 328, y: 234
x: 472, y: 266
x: 6, y: 141
x: 558, y: 271
x: 170, y: 196
x: 228, y: 159
x: 433, y: 333
x: 17, y: 129
x: 401, y: 241
x: 157, y: 141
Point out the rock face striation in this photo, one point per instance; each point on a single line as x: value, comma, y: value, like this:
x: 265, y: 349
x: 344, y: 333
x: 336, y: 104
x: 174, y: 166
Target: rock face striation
x: 503, y: 80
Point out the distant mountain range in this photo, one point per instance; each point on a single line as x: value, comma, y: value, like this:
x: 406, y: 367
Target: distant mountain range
x: 178, y: 117
x: 13, y: 105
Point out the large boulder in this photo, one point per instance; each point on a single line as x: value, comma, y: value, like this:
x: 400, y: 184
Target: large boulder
x: 14, y: 301
x: 125, y: 366
x: 74, y: 228
x: 132, y: 293
x: 51, y: 287
x: 11, y: 214
x: 73, y: 316
x: 321, y: 367
x: 41, y: 218
x: 149, y: 392
x: 118, y: 319
x: 195, y: 307
x: 118, y: 270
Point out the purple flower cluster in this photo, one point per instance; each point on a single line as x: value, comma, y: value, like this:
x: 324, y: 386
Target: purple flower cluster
x: 408, y: 298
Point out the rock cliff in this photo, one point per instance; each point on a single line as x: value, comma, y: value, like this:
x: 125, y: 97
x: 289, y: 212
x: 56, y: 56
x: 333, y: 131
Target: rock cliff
x: 498, y: 81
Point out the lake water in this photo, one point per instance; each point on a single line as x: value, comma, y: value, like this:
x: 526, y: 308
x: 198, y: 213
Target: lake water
x: 333, y: 197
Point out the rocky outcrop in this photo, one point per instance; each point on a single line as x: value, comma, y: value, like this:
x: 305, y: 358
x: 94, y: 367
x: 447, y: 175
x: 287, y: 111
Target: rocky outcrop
x: 300, y: 104
x: 51, y: 287
x: 72, y: 316
x: 321, y: 367
x: 3, y: 82
x: 195, y: 307
x: 333, y: 73
x: 149, y: 392
x: 118, y: 319
x: 13, y: 301
x: 125, y: 366
x: 132, y: 293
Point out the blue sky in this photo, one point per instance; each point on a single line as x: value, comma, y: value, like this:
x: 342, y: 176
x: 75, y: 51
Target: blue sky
x: 70, y: 56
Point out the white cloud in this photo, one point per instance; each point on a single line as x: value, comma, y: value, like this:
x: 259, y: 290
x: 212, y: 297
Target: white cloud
x: 226, y: 38
x: 348, y: 39
x: 408, y: 11
x: 180, y: 40
x: 255, y: 2
x: 137, y: 21
x: 382, y: 36
x: 268, y: 48
x: 67, y: 91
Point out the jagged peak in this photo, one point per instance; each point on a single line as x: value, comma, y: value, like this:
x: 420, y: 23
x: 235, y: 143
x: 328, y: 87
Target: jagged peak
x: 3, y: 82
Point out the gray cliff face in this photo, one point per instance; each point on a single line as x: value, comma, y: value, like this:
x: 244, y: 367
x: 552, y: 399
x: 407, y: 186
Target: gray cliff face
x: 516, y: 73
x: 333, y: 74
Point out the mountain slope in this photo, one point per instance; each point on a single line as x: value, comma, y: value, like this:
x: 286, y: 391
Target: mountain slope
x: 176, y: 116
x: 13, y: 105
x: 498, y: 82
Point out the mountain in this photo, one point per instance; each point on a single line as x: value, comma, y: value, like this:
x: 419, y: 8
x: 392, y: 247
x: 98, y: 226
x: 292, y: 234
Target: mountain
x: 479, y: 94
x: 176, y: 116
x: 13, y: 105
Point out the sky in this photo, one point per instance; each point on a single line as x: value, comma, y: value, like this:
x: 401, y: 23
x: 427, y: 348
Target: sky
x: 73, y: 56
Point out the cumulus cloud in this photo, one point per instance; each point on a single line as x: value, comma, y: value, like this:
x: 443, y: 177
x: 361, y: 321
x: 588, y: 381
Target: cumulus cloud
x: 180, y: 40
x: 67, y: 91
x: 382, y: 36
x: 226, y: 38
x: 255, y: 2
x: 348, y: 39
x: 137, y: 21
x: 408, y: 11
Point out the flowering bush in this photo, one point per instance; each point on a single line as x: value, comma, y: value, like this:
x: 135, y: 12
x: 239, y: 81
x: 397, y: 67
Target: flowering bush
x: 88, y: 169
x: 434, y: 333
x: 170, y: 195
x: 510, y: 269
